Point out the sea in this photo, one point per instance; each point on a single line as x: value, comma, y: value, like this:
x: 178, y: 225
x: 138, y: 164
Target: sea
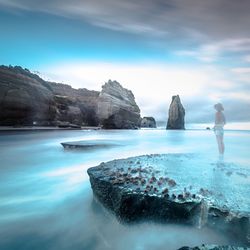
x: 46, y: 201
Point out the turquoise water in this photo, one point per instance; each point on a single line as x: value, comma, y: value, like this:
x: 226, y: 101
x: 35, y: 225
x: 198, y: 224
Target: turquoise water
x: 46, y: 200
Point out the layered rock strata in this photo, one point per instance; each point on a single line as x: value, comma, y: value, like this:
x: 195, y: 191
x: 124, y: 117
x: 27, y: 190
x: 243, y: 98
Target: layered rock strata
x: 117, y: 108
x: 26, y: 99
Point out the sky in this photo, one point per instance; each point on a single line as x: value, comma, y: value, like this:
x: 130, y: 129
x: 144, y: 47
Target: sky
x: 198, y: 49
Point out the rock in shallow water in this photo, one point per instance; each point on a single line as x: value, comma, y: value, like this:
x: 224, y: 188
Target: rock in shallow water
x: 214, y: 247
x: 176, y: 114
x: 148, y: 122
x: 89, y: 144
x: 174, y: 188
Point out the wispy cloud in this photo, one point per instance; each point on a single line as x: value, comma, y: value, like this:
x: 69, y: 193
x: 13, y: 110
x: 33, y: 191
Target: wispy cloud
x: 242, y: 70
x: 211, y: 20
x: 214, y: 51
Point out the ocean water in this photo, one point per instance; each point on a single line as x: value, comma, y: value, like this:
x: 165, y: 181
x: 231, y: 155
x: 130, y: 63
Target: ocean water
x: 46, y: 200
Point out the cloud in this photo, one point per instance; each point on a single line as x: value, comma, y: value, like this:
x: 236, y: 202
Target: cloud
x: 214, y: 51
x: 209, y: 20
x: 241, y: 70
x: 154, y: 84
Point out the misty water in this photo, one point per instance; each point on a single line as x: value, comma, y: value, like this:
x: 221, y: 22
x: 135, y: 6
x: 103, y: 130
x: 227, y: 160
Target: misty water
x: 46, y: 201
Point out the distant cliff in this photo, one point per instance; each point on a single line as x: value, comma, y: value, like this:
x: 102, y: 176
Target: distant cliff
x: 26, y: 99
x: 176, y: 114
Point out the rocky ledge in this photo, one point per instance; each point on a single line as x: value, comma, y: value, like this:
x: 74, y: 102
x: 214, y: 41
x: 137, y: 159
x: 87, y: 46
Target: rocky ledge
x: 214, y: 247
x: 177, y: 189
x: 89, y: 144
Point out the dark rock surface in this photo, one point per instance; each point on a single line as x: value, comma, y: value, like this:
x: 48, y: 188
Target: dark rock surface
x: 117, y: 108
x: 176, y: 114
x: 214, y: 247
x: 89, y: 144
x: 26, y: 99
x: 75, y: 105
x: 172, y: 188
x: 148, y: 122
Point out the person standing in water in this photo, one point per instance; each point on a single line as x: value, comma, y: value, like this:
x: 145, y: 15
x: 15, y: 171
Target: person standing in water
x: 219, y: 123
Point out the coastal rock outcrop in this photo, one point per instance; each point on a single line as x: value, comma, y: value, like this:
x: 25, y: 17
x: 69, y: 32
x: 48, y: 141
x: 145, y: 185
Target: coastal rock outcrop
x: 176, y: 114
x: 161, y: 188
x: 117, y: 108
x: 26, y: 99
x: 148, y: 122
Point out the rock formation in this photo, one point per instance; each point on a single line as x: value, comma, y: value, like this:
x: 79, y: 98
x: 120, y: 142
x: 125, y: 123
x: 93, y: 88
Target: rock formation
x: 176, y: 114
x: 161, y: 188
x: 77, y: 106
x: 117, y: 108
x: 26, y: 99
x: 214, y: 247
x: 148, y: 122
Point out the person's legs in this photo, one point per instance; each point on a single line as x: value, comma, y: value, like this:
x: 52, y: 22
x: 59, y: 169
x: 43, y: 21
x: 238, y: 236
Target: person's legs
x: 220, y: 143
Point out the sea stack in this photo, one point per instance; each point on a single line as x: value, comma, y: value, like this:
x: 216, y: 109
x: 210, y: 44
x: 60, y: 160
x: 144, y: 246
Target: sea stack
x: 176, y: 114
x: 117, y: 108
x: 148, y: 122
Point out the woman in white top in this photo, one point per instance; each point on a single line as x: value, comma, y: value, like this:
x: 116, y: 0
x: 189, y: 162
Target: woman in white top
x: 219, y: 123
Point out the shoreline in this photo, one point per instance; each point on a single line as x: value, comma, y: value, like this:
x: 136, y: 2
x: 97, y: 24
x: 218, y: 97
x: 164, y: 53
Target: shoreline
x: 51, y: 128
x: 44, y: 128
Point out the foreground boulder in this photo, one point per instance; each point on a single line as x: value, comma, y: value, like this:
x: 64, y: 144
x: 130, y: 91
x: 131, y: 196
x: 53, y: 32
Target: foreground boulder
x: 176, y: 114
x: 117, y: 108
x: 148, y: 122
x: 174, y: 188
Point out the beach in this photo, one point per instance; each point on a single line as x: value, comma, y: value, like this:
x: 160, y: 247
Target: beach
x: 47, y: 201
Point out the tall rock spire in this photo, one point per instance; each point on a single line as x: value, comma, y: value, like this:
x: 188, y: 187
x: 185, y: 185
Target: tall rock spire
x: 176, y: 114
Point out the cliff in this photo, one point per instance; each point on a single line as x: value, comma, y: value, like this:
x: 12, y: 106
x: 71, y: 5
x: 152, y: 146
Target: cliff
x: 26, y: 99
x: 176, y: 114
x: 117, y: 107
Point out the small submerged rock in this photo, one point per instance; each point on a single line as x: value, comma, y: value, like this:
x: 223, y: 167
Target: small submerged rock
x: 89, y: 144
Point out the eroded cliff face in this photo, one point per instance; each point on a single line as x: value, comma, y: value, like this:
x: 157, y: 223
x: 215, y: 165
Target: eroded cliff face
x: 176, y: 114
x: 117, y: 108
x: 26, y: 99
x: 77, y: 106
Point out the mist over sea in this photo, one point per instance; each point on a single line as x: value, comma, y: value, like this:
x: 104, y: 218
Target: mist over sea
x: 46, y: 200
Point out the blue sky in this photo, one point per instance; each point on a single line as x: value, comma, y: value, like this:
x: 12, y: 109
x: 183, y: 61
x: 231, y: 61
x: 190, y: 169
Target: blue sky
x: 198, y: 49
